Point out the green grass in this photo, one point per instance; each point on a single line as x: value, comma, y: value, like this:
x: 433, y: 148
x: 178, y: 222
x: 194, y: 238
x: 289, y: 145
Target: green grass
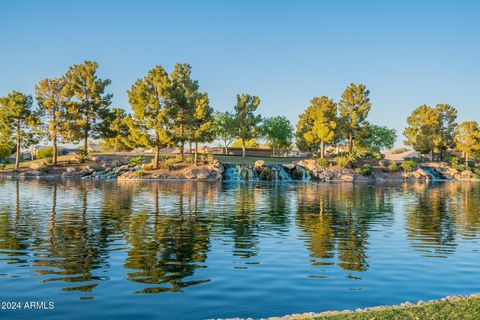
x: 251, y: 160
x: 465, y: 309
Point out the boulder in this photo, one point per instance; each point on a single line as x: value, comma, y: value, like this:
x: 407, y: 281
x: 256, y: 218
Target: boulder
x: 417, y: 175
x: 70, y: 169
x: 347, y: 177
x: 422, y: 172
x: 203, y: 176
x: 190, y: 174
x: 38, y: 166
x: 289, y: 166
x: 466, y: 173
x: 259, y: 164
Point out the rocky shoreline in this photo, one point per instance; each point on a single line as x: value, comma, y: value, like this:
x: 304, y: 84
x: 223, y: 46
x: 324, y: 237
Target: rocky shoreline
x: 313, y: 315
x: 303, y: 170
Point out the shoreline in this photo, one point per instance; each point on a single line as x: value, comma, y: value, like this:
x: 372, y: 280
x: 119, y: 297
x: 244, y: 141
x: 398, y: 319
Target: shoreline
x: 375, y: 311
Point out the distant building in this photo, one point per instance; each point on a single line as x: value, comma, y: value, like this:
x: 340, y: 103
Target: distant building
x: 402, y: 156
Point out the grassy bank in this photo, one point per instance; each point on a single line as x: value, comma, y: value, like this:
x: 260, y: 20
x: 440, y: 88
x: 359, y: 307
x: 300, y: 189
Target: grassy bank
x: 453, y: 308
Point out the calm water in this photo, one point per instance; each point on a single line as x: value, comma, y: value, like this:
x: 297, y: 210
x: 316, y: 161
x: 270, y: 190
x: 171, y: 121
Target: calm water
x: 198, y: 250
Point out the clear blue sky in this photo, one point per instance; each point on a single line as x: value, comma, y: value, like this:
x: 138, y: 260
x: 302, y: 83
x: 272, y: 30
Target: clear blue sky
x: 406, y: 52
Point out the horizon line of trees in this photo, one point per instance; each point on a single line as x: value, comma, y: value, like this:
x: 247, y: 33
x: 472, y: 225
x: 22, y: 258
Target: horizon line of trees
x: 168, y: 109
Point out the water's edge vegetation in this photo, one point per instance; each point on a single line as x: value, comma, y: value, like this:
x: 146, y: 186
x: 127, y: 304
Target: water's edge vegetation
x: 451, y: 307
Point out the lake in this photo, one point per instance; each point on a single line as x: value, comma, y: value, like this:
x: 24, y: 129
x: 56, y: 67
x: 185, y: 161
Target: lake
x: 172, y: 250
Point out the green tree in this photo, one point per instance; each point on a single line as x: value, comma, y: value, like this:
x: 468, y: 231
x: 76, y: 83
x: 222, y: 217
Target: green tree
x: 354, y: 107
x: 53, y: 97
x: 150, y: 126
x: 202, y: 127
x: 467, y: 139
x: 317, y: 124
x: 250, y: 143
x: 447, y: 126
x: 379, y: 138
x: 91, y: 104
x: 246, y: 122
x: 117, y: 131
x: 184, y: 92
x: 423, y: 132
x: 18, y: 121
x: 224, y: 127
x: 278, y: 132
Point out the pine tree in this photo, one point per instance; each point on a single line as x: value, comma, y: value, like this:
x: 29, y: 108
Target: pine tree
x: 18, y: 121
x: 150, y: 99
x: 354, y: 107
x: 90, y: 106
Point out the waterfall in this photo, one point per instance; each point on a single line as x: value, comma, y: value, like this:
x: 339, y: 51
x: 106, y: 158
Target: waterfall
x: 279, y: 173
x: 304, y: 174
x: 270, y: 172
x: 240, y: 172
x: 434, y: 175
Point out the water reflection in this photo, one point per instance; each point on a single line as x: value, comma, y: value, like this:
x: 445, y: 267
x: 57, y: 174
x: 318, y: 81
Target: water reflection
x: 336, y: 219
x: 163, y: 233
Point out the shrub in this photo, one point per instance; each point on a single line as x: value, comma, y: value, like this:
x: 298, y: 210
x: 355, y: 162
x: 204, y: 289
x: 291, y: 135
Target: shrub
x: 2, y: 166
x: 136, y: 161
x: 45, y: 153
x: 366, y: 170
x: 408, y: 165
x: 323, y: 163
x: 342, y: 161
x: 148, y: 167
x: 82, y: 155
x: 458, y: 163
x: 393, y: 167
x: 49, y: 160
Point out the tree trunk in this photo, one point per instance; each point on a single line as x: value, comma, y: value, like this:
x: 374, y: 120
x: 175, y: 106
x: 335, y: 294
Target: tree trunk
x: 156, y: 157
x: 196, y: 154
x: 466, y: 159
x: 85, y: 141
x: 350, y: 142
x: 182, y: 147
x: 190, y: 147
x: 243, y: 147
x: 431, y: 155
x: 322, y: 149
x: 17, y: 158
x: 55, y: 150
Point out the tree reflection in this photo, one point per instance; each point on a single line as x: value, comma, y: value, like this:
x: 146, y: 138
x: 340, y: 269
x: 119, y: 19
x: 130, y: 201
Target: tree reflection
x: 336, y: 219
x: 439, y: 213
x: 167, y: 246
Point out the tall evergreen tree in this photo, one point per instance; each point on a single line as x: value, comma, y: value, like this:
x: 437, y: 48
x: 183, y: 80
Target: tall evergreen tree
x: 116, y: 131
x: 447, y: 126
x: 246, y: 122
x: 317, y: 124
x: 202, y: 124
x: 91, y: 105
x: 184, y: 94
x: 18, y: 121
x: 423, y: 132
x: 53, y: 97
x: 150, y: 126
x: 354, y: 107
x: 467, y: 139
